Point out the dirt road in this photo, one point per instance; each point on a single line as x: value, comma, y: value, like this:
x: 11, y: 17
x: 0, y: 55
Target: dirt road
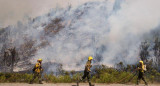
x: 67, y: 84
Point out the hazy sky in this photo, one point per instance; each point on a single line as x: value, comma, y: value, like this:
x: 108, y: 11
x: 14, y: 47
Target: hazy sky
x: 13, y: 10
x: 110, y: 30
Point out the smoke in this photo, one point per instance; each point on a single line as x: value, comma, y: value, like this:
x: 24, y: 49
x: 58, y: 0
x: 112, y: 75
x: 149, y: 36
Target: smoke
x: 109, y: 35
x: 128, y: 25
x: 18, y: 10
x: 110, y: 31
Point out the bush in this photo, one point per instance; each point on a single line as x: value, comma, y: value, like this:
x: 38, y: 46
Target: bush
x: 15, y: 77
x: 101, y: 74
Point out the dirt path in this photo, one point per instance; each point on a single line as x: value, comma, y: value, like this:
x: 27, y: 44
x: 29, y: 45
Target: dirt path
x: 66, y: 84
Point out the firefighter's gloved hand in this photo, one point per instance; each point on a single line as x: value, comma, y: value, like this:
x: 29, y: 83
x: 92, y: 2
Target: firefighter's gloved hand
x: 138, y: 68
x: 89, y: 70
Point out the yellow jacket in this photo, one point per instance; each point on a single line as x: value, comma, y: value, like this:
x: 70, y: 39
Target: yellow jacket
x: 141, y: 68
x: 88, y: 66
x: 38, y: 67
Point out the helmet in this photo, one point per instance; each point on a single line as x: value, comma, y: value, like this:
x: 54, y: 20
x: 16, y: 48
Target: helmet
x: 39, y: 60
x: 141, y: 61
x: 90, y: 58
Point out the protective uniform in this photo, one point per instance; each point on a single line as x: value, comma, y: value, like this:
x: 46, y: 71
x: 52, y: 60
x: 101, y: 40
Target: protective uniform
x: 37, y: 70
x: 87, y: 71
x: 141, y: 73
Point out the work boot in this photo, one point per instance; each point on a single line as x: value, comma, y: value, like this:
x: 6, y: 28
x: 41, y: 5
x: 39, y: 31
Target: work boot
x: 90, y: 84
x: 30, y: 82
x: 146, y: 83
x: 40, y: 82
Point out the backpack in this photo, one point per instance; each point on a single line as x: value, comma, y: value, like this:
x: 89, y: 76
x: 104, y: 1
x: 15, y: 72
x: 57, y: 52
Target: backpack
x: 145, y: 68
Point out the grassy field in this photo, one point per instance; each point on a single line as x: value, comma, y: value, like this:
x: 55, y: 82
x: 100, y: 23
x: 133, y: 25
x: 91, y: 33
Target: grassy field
x: 99, y: 75
x: 70, y: 84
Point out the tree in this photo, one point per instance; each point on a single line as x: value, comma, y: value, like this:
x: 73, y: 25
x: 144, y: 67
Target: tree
x: 144, y: 51
x: 120, y: 66
x: 157, y: 51
x: 73, y: 72
x: 10, y: 58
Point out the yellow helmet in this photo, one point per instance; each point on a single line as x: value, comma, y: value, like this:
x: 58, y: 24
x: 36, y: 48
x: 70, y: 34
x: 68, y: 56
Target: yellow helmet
x: 141, y: 61
x: 90, y: 58
x: 39, y: 60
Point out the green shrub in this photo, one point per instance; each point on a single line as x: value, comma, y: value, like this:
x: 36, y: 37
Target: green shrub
x: 101, y: 74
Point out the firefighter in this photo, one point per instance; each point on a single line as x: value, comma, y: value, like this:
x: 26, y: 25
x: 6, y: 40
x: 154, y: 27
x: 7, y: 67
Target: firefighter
x: 87, y: 71
x: 37, y: 70
x: 141, y: 73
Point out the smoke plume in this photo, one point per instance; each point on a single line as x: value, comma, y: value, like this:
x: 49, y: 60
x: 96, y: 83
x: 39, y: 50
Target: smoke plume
x: 18, y: 10
x: 110, y: 31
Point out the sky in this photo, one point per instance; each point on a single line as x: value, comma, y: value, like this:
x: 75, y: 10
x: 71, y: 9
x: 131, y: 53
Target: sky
x: 112, y: 29
x: 12, y: 11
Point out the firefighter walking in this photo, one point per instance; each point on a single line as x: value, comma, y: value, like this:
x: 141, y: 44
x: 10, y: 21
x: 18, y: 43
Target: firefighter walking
x: 141, y: 73
x: 37, y: 70
x: 87, y: 71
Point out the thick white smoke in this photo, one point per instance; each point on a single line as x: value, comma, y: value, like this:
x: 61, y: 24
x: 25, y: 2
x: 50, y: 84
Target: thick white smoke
x: 128, y: 25
x: 18, y: 10
x: 110, y: 31
x: 107, y: 30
